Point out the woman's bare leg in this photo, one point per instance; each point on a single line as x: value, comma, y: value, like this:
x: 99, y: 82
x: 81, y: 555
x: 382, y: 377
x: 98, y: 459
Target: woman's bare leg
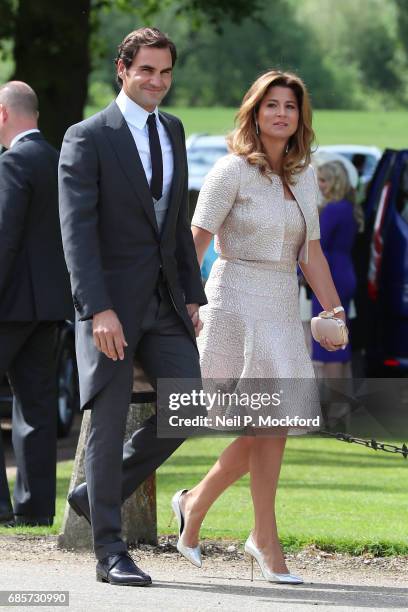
x: 264, y: 465
x: 262, y: 456
x: 232, y: 464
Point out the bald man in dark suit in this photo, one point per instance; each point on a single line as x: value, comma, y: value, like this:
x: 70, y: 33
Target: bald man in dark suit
x: 34, y: 295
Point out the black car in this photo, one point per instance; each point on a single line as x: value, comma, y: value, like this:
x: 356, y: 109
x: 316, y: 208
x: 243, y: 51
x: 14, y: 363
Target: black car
x: 67, y: 375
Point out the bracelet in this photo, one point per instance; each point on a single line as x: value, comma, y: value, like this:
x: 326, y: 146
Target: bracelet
x: 329, y: 314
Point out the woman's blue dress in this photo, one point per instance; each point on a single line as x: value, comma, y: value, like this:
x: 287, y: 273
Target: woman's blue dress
x: 338, y: 230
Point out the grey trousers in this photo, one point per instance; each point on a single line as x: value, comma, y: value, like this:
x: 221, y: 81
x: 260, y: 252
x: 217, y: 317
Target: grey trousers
x: 114, y: 471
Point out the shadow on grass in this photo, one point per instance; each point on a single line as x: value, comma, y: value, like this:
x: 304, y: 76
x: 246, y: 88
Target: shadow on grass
x: 170, y: 481
x: 310, y: 458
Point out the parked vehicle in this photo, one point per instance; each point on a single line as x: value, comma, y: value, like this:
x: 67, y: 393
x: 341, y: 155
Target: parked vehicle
x: 364, y: 158
x: 67, y: 380
x: 386, y: 312
x: 202, y: 153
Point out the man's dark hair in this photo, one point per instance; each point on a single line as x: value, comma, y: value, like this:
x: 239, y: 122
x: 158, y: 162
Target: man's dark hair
x: 143, y: 37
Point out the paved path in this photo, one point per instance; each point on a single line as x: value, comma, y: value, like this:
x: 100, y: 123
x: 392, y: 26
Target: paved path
x: 219, y: 585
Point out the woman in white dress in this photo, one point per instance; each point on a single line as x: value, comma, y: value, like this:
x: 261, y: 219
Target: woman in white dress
x: 260, y: 202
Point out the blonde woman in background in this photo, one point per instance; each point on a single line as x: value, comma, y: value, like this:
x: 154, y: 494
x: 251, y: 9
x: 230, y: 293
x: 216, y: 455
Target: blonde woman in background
x: 340, y: 220
x: 261, y: 203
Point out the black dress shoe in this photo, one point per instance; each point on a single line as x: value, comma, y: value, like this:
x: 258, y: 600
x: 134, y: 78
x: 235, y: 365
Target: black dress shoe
x: 121, y: 570
x: 33, y: 521
x: 78, y: 500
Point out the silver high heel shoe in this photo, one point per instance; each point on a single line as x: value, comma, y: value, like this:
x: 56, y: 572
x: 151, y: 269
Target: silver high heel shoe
x: 191, y: 554
x: 268, y: 574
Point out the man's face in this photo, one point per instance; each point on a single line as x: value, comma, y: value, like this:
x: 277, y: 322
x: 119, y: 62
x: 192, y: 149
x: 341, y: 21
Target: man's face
x: 148, y: 78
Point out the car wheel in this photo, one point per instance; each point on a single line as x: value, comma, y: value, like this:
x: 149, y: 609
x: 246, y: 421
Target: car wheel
x: 67, y: 380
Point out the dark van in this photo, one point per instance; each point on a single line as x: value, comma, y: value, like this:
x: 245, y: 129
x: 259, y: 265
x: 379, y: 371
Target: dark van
x: 384, y: 315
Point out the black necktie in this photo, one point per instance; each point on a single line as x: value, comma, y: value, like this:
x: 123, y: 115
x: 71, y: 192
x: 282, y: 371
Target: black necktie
x: 156, y: 183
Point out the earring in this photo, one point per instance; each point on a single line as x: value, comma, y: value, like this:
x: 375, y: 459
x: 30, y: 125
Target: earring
x: 256, y: 127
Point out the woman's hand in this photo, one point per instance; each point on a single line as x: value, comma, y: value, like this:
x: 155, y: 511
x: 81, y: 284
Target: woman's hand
x: 325, y: 342
x: 329, y: 346
x: 317, y: 274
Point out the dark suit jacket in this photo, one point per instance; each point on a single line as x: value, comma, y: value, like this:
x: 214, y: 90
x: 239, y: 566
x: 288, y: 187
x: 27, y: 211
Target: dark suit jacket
x: 111, y: 241
x: 34, y: 282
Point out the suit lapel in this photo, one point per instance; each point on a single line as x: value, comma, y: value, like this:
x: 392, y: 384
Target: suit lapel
x: 172, y: 132
x: 123, y: 144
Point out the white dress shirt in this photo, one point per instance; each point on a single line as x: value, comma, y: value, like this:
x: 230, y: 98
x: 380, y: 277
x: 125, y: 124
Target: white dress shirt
x: 136, y: 118
x: 22, y: 134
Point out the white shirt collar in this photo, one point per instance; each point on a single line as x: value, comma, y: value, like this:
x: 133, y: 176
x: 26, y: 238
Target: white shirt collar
x: 21, y: 135
x: 132, y: 112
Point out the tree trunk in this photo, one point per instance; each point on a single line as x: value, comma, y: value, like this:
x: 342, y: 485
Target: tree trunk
x: 51, y: 54
x: 139, y: 522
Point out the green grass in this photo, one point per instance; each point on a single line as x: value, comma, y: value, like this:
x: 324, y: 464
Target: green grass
x: 64, y: 471
x: 340, y: 497
x: 381, y: 129
x: 385, y: 129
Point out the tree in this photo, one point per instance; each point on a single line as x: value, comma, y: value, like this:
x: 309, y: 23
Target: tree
x: 376, y: 51
x: 52, y: 46
x: 217, y: 70
x: 402, y: 11
x: 51, y: 53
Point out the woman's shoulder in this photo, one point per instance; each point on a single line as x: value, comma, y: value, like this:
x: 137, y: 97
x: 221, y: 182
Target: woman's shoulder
x: 229, y: 161
x: 229, y: 167
x: 308, y: 173
x: 340, y: 208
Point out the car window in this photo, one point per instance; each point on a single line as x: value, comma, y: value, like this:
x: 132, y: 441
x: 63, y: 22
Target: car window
x: 370, y: 164
x: 364, y: 162
x: 206, y: 156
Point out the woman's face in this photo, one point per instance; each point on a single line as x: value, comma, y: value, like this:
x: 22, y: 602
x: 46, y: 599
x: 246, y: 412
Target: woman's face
x: 278, y: 115
x: 325, y: 184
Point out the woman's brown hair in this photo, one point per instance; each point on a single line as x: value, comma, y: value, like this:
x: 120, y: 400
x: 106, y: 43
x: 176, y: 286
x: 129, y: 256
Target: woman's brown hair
x: 245, y: 141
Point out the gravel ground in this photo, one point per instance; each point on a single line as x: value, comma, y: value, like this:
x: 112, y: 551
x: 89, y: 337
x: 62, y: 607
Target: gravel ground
x: 334, y: 582
x: 221, y: 558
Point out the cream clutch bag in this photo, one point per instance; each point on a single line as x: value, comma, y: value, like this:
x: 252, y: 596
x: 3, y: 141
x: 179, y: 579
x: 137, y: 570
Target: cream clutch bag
x: 326, y: 325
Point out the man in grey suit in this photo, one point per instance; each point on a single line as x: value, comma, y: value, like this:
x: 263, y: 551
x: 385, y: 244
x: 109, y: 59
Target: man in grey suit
x: 135, y: 281
x: 34, y: 295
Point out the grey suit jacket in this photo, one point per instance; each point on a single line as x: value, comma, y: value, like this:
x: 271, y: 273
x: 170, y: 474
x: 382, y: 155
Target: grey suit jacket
x: 112, y: 245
